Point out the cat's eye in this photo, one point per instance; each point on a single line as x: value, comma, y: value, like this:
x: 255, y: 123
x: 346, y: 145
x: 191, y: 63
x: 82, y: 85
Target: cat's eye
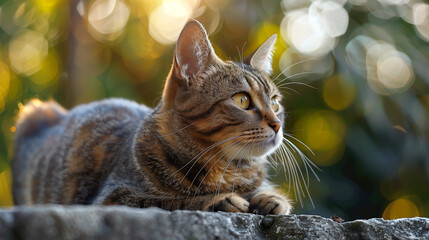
x: 275, y: 104
x: 242, y: 100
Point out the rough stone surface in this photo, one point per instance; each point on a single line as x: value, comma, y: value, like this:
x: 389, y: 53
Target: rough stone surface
x: 95, y: 222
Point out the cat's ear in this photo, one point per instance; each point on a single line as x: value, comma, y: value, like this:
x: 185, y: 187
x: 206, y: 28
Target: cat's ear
x: 194, y: 52
x: 262, y: 58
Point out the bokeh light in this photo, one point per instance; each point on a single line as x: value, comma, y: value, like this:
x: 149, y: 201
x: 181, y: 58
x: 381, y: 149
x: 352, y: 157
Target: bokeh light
x: 313, y: 30
x: 388, y: 70
x: 107, y: 19
x: 339, y: 93
x: 17, y: 15
x: 421, y: 19
x: 4, y: 84
x: 394, y: 2
x: 48, y: 72
x: 304, y: 35
x: 5, y: 190
x: 401, y: 208
x: 323, y: 132
x: 27, y: 50
x: 47, y: 5
x: 329, y: 16
x: 296, y: 66
x: 168, y: 19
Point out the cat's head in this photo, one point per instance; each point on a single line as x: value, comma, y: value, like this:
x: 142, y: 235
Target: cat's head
x: 233, y: 104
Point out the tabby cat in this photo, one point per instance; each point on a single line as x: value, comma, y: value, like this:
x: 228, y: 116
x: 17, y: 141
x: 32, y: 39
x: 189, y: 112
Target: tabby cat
x: 204, y: 147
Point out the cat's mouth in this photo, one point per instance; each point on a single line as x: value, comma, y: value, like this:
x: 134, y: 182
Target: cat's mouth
x: 253, y: 146
x: 270, y: 146
x: 266, y: 145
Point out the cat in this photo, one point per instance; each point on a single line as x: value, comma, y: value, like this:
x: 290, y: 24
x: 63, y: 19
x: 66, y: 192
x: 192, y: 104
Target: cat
x: 204, y: 147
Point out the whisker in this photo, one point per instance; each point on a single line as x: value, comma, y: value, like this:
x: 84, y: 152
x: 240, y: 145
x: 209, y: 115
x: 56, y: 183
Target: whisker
x: 305, y: 161
x: 198, y: 156
x: 299, y: 179
x: 303, y: 144
x: 297, y: 184
x: 211, y: 147
x: 298, y: 172
x: 205, y: 176
x: 221, y: 178
x: 241, y: 56
x: 293, y: 75
x: 285, y: 166
x: 232, y: 145
x: 238, y: 164
x: 305, y: 60
x: 288, y: 88
x: 272, y: 163
x: 297, y: 83
x: 239, y: 53
x: 303, y: 158
x: 283, y: 91
x: 283, y: 87
x: 242, y: 51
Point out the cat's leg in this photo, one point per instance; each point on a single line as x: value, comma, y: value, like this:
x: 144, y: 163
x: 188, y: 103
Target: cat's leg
x: 225, y: 202
x: 267, y: 201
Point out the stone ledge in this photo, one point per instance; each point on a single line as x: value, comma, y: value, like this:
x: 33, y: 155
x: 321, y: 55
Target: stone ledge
x: 120, y: 222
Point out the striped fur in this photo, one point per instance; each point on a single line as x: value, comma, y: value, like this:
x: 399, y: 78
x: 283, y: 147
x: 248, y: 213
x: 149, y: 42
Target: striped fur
x: 196, y: 150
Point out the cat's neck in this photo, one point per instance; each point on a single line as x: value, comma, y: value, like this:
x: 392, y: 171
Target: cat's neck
x: 165, y: 140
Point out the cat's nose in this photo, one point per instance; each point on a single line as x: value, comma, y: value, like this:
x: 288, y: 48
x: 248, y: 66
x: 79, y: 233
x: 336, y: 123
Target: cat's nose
x: 275, y: 125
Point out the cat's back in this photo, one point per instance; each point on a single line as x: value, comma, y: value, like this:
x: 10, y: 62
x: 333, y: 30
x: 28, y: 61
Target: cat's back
x: 42, y: 120
x: 51, y: 144
x: 105, y: 116
x: 110, y: 107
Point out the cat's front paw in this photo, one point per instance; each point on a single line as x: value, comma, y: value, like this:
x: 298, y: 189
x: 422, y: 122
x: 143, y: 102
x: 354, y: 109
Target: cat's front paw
x: 269, y: 203
x: 230, y: 203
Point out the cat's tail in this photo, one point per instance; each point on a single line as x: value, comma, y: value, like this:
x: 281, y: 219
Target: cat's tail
x: 37, y: 115
x: 34, y: 120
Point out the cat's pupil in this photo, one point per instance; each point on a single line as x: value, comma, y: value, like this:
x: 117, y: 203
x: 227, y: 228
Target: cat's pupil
x: 242, y: 100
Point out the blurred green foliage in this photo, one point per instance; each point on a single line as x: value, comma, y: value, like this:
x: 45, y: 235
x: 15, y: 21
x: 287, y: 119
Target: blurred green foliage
x: 365, y: 114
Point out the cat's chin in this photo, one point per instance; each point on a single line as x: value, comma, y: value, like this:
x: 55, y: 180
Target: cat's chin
x: 266, y: 148
x: 256, y: 150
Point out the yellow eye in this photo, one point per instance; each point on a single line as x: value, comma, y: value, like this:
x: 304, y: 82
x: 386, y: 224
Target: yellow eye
x: 275, y: 105
x: 242, y: 100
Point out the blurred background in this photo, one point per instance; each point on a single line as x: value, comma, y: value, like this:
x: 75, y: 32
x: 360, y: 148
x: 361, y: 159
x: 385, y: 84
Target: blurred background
x: 365, y: 115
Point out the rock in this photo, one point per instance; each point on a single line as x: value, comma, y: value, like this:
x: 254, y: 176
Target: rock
x: 120, y: 222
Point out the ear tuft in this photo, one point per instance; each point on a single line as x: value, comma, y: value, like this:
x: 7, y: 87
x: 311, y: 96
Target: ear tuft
x: 262, y: 58
x: 194, y: 52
